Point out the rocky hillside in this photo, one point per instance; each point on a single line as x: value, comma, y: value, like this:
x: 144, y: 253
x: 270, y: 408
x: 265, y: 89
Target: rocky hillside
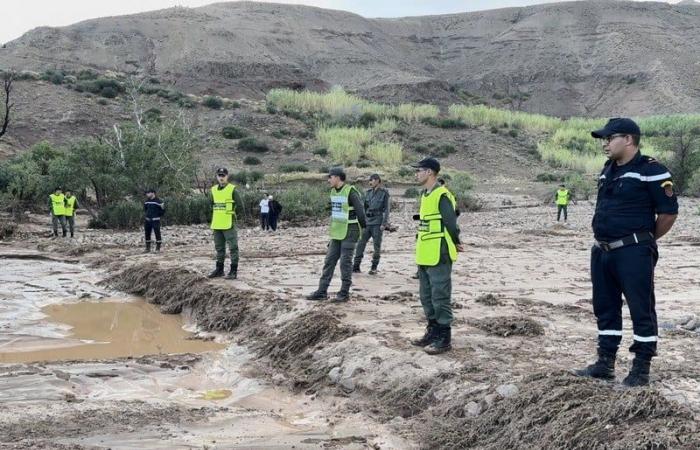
x: 579, y: 58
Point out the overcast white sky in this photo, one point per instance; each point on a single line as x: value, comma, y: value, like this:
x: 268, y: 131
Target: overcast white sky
x: 20, y: 16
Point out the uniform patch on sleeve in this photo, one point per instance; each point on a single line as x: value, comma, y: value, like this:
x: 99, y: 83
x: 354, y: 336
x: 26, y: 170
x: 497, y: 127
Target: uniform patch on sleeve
x: 668, y: 188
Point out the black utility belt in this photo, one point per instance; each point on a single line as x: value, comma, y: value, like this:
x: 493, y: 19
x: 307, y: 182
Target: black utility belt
x: 634, y: 238
x: 152, y: 218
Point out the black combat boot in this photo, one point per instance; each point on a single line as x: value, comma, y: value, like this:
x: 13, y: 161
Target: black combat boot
x: 356, y: 269
x: 442, y: 342
x: 218, y: 272
x: 148, y: 247
x: 341, y: 297
x: 373, y: 270
x: 603, y: 369
x: 639, y: 374
x: 233, y: 273
x: 317, y: 295
x: 429, y: 335
x: 158, y: 246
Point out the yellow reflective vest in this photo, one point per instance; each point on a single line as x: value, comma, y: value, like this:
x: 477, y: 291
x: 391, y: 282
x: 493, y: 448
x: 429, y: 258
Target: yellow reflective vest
x: 562, y: 196
x: 431, y: 231
x: 70, y: 205
x: 342, y: 212
x: 58, y: 204
x: 223, y: 210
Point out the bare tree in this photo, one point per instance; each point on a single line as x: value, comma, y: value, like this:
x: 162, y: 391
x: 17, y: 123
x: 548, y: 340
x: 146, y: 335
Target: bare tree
x: 7, y: 88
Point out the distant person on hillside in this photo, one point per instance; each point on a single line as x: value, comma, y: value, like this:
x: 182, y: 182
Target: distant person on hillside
x: 562, y: 198
x: 377, y: 206
x: 57, y: 208
x: 265, y: 212
x: 635, y: 207
x: 71, y: 206
x: 153, y: 209
x: 275, y: 211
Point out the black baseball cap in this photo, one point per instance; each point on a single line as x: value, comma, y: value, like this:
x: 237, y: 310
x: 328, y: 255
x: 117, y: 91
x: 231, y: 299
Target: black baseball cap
x: 336, y: 172
x: 617, y: 125
x: 375, y: 176
x: 427, y: 163
x: 222, y: 171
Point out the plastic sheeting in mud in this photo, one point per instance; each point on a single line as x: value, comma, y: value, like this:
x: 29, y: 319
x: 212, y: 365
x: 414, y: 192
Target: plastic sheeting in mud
x: 563, y: 411
x: 508, y: 326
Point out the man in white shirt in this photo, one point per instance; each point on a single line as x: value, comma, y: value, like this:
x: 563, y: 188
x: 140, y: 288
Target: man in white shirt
x: 264, y: 213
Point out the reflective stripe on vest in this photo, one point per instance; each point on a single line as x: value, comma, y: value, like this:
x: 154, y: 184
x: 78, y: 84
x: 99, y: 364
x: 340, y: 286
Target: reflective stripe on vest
x: 341, y: 212
x: 70, y: 206
x: 562, y: 197
x: 224, y: 209
x: 431, y: 231
x: 58, y: 204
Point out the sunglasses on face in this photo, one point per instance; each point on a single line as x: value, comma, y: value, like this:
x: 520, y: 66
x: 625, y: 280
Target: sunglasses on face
x: 612, y: 137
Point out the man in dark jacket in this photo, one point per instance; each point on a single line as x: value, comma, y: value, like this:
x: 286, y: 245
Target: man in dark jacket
x: 274, y: 214
x: 153, y: 209
x: 377, y: 206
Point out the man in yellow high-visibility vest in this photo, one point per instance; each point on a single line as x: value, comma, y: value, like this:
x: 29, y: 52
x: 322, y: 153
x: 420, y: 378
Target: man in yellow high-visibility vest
x: 562, y: 198
x: 437, y: 244
x: 347, y: 221
x: 71, y: 206
x: 57, y: 208
x: 226, y: 203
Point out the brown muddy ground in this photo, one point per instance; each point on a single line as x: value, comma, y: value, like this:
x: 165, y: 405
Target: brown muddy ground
x: 523, y: 319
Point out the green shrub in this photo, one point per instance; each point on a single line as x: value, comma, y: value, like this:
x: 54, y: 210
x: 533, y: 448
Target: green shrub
x: 246, y: 176
x: 405, y: 171
x: 444, y: 122
x: 234, y: 132
x: 102, y: 102
x: 280, y: 134
x: 128, y: 215
x: 123, y: 215
x: 363, y: 163
x: 152, y: 115
x: 54, y: 76
x: 304, y: 134
x: 297, y: 145
x: 421, y: 148
x: 513, y: 133
x: 186, y: 102
x: 235, y: 105
x: 105, y: 87
x: 494, y: 129
x: 251, y: 161
x: 367, y: 119
x: 411, y: 192
x: 109, y: 92
x: 250, y: 144
x: 213, y: 102
x: 443, y: 150
x: 322, y: 151
x: 323, y: 169
x: 293, y: 167
x: 548, y: 177
x: 87, y: 74
x: 304, y: 202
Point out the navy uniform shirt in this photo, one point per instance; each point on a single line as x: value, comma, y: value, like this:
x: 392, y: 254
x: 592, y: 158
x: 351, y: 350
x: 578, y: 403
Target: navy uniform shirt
x: 630, y: 196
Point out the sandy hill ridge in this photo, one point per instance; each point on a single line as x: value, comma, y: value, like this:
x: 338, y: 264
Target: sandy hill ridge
x: 575, y: 58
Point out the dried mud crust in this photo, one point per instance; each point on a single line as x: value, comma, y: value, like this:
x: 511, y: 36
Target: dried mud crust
x: 508, y: 326
x: 563, y: 411
x: 40, y: 426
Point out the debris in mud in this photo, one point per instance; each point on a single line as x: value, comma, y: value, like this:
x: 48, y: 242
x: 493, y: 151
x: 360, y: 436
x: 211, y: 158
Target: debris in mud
x: 508, y: 326
x: 489, y: 300
x: 302, y: 334
x: 212, y: 306
x: 7, y: 229
x: 408, y: 397
x: 563, y: 411
x: 400, y: 297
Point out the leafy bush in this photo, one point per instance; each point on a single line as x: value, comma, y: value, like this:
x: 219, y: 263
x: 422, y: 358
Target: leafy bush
x: 152, y: 115
x: 213, y: 102
x: 245, y: 176
x: 411, y: 192
x: 405, y: 171
x: 320, y: 151
x: 293, y: 167
x: 105, y: 87
x: 250, y: 144
x: 443, y: 150
x: 234, y: 132
x: 444, y: 122
x: 548, y: 177
x: 186, y: 102
x: 280, y: 134
x: 251, y: 161
x: 367, y: 119
x: 54, y: 76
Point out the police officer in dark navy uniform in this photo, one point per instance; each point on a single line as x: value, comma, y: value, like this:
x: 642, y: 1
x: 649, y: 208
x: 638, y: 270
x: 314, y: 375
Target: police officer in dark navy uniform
x: 635, y: 207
